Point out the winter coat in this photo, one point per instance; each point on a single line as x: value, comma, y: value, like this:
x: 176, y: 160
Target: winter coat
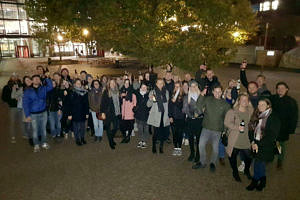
x: 107, y: 107
x: 175, y: 109
x: 53, y: 99
x: 78, y: 107
x: 154, y: 118
x: 35, y: 99
x: 127, y: 108
x: 170, y: 86
x: 95, y: 105
x: 266, y: 145
x: 205, y: 83
x: 6, y: 96
x: 18, y: 95
x: 141, y: 109
x: 286, y: 109
x: 190, y: 109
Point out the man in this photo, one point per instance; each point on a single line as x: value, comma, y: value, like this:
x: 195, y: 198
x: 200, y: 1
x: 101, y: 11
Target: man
x: 215, y: 109
x: 34, y: 105
x: 200, y: 73
x: 287, y: 111
x: 169, y: 83
x: 188, y: 77
x: 209, y: 81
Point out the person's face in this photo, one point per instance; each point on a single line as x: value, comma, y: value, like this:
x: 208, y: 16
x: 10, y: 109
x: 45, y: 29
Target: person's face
x: 176, y: 78
x: 160, y: 84
x: 143, y: 88
x: 231, y: 84
x: 56, y: 77
x: 244, y: 101
x: 40, y: 71
x: 169, y: 68
x: 210, y: 74
x: 83, y: 76
x: 185, y: 87
x: 147, y: 77
x: 168, y: 76
x: 260, y: 81
x: 14, y: 78
x: 228, y: 93
x: 188, y: 77
x: 104, y: 79
x: 262, y: 106
x: 126, y: 84
x: 36, y: 81
x: 90, y: 79
x: 141, y: 77
x: 282, y: 90
x: 28, y: 82
x: 53, y: 84
x: 193, y: 87
x: 96, y: 85
x: 78, y: 84
x: 64, y: 73
x: 252, y: 88
x: 125, y: 77
x: 177, y: 87
x: 217, y: 93
x: 112, y: 84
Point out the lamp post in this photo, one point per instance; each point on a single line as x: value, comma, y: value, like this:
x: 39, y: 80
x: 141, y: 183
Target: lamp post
x: 60, y: 39
x: 85, y: 33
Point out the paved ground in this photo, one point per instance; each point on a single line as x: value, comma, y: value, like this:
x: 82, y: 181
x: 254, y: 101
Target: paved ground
x: 68, y: 172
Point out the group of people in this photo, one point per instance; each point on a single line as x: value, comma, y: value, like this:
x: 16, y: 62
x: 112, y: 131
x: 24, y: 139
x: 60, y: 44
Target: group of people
x: 254, y: 125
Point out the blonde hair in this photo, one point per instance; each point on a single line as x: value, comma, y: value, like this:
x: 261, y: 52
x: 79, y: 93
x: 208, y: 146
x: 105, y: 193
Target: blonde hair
x: 237, y: 103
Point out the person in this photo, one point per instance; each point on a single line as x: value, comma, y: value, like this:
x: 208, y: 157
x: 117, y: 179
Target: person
x: 111, y: 106
x: 95, y: 99
x: 169, y: 82
x: 263, y: 130
x: 66, y: 124
x: 65, y: 75
x: 128, y: 103
x: 159, y: 115
x: 194, y: 118
x: 78, y: 111
x: 54, y: 106
x: 287, y: 110
x: 231, y: 92
x: 34, y: 105
x: 152, y: 75
x: 137, y: 83
x: 200, y: 73
x: 89, y: 79
x: 141, y: 115
x: 237, y: 120
x: 188, y: 77
x: 209, y: 81
x: 177, y: 118
x: 83, y: 78
x: 103, y: 81
x: 215, y: 109
x: 185, y: 88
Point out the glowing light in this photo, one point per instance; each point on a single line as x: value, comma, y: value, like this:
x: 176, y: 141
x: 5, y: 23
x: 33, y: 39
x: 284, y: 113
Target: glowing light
x: 236, y: 34
x: 60, y: 38
x: 85, y: 32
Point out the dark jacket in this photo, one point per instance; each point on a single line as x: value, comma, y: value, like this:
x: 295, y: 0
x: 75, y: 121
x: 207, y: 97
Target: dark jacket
x: 198, y: 75
x: 107, y: 107
x: 263, y: 91
x: 78, y: 107
x: 175, y: 109
x: 205, y: 83
x: 6, y: 96
x: 35, y: 99
x: 53, y: 99
x: 286, y: 109
x: 141, y: 109
x: 65, y: 99
x: 170, y: 86
x: 266, y: 145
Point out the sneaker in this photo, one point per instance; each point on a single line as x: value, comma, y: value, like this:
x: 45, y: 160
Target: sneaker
x: 179, y: 152
x: 144, y: 145
x: 72, y: 134
x: 36, y: 148
x: 13, y: 140
x: 186, y: 142
x: 66, y: 136
x: 132, y: 133
x: 140, y: 145
x: 175, y: 152
x: 198, y: 165
x: 212, y: 167
x: 45, y: 146
x: 241, y: 168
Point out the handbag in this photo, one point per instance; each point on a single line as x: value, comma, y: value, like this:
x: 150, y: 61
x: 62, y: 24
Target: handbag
x: 99, y: 116
x: 224, y: 137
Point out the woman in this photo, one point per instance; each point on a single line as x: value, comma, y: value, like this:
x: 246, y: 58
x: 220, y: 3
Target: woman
x: 177, y: 118
x: 263, y: 130
x: 141, y: 115
x: 79, y: 111
x: 159, y: 114
x: 103, y: 81
x: 66, y: 93
x: 194, y: 120
x: 237, y: 120
x: 128, y: 103
x: 54, y: 103
x: 95, y: 98
x: 110, y: 105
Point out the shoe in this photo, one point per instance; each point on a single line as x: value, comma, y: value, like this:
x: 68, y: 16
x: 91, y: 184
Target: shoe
x: 212, y: 167
x: 83, y: 141
x: 132, y: 133
x: 100, y: 138
x: 96, y: 139
x: 262, y: 184
x: 241, y: 168
x: 179, y: 152
x: 36, y: 148
x: 222, y: 161
x: 279, y: 164
x: 247, y: 173
x: 186, y: 142
x: 161, y: 150
x: 78, y: 142
x: 236, y: 177
x: 140, y: 144
x: 45, y: 146
x: 252, y: 185
x: 197, y: 158
x: 13, y: 140
x: 66, y: 136
x: 191, y: 157
x: 175, y: 152
x: 72, y: 134
x: 144, y: 145
x: 198, y: 165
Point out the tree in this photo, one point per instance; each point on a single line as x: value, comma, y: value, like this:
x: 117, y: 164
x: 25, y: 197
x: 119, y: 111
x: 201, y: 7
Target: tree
x: 184, y: 33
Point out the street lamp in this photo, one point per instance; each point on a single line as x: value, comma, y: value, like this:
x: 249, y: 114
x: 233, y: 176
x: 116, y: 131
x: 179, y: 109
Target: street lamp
x: 85, y: 32
x: 60, y: 39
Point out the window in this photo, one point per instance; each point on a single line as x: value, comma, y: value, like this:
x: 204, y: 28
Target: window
x: 22, y: 13
x: 2, y: 28
x: 266, y: 6
x: 12, y: 27
x: 275, y: 5
x: 10, y: 11
x: 24, y: 27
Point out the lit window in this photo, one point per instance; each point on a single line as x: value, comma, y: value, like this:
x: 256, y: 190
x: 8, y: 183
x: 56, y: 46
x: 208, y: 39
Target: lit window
x: 267, y: 6
x: 275, y: 5
x: 261, y: 6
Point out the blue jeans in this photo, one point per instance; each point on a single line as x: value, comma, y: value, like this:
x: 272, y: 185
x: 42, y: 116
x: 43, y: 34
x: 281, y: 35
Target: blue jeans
x: 39, y: 122
x: 221, y: 150
x: 79, y: 130
x: 259, y: 169
x: 98, y: 125
x: 214, y: 137
x: 55, y: 125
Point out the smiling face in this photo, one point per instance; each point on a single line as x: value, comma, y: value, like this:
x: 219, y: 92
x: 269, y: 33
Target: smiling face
x: 244, y: 101
x: 262, y: 106
x: 193, y: 87
x: 282, y: 90
x: 210, y: 74
x: 112, y: 84
x: 36, y: 81
x: 252, y: 88
x: 217, y: 93
x: 143, y: 88
x: 160, y: 84
x: 90, y: 80
x: 96, y: 85
x: 28, y: 82
x: 127, y: 84
x: 78, y: 84
x: 176, y: 86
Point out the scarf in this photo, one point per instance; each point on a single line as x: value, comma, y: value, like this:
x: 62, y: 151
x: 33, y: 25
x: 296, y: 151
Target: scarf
x: 142, y: 92
x: 262, y: 120
x: 114, y: 94
x: 192, y: 95
x: 160, y: 98
x: 80, y: 91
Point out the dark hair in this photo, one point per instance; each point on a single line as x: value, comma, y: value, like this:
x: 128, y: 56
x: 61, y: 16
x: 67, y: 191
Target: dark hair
x: 282, y: 83
x: 261, y: 76
x: 209, y: 69
x: 217, y: 86
x: 56, y: 73
x: 23, y: 81
x: 40, y: 66
x: 83, y: 71
x: 93, y: 82
x: 35, y: 76
x: 253, y: 82
x: 77, y: 79
x: 185, y: 82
